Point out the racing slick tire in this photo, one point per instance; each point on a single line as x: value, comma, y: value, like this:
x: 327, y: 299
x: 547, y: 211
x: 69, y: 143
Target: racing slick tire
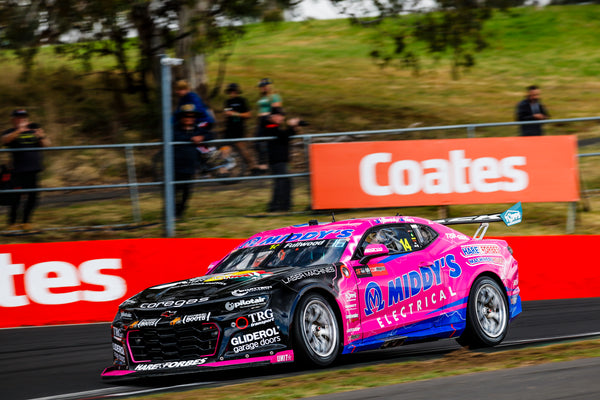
x: 487, y: 315
x: 316, y: 332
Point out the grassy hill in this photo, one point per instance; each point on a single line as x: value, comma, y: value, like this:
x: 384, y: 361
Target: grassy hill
x: 324, y: 74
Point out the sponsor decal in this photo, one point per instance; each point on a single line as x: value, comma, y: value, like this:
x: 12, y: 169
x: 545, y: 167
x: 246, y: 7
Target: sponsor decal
x: 126, y: 315
x: 119, y: 359
x: 374, y: 248
x: 117, y: 332
x: 298, y: 237
x: 389, y: 220
x: 128, y: 302
x: 284, y: 357
x: 480, y: 249
x: 173, y: 303
x: 252, y: 341
x: 363, y: 272
x: 144, y: 323
x: 339, y: 243
x: 246, y: 303
x: 59, y: 282
x: 168, y: 314
x: 374, y: 301
x: 303, y: 244
x: 240, y: 323
x: 308, y: 274
x: 254, y: 319
x: 203, y: 317
x: 368, y: 271
x: 190, y: 319
x: 172, y: 364
x: 486, y: 260
x: 453, y: 236
x: 243, y: 292
x: 513, y: 215
x: 378, y: 269
x: 118, y: 349
x: 236, y: 275
x: 350, y: 296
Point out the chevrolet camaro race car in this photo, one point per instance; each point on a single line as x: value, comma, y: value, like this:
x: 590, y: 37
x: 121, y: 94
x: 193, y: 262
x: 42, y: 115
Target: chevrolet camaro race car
x: 312, y: 292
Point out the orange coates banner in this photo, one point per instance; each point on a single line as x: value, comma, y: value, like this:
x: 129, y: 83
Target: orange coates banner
x: 442, y: 172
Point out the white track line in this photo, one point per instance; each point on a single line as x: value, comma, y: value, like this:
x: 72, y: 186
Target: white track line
x: 116, y: 392
x: 123, y: 390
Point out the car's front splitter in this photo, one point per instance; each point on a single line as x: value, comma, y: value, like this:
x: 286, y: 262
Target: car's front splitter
x: 174, y: 367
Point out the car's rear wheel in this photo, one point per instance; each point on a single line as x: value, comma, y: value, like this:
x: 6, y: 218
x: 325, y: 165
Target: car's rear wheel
x: 316, y: 331
x: 487, y: 315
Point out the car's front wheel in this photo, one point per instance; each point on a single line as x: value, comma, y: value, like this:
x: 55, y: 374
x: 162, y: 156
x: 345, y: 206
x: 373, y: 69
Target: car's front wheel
x: 316, y: 331
x: 487, y: 315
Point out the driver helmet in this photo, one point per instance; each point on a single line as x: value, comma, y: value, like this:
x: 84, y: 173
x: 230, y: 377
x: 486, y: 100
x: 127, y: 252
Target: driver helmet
x: 387, y: 237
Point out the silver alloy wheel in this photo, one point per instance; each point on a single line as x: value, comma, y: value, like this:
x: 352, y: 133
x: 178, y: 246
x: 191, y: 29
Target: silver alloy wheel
x: 491, y: 310
x: 319, y: 328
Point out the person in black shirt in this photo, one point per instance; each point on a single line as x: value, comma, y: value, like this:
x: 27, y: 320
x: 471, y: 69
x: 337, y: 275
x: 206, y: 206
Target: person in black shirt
x: 236, y: 112
x: 279, y: 156
x: 531, y: 109
x: 25, y: 164
x: 186, y: 156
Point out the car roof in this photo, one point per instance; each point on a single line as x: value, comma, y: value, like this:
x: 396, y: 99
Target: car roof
x: 330, y: 230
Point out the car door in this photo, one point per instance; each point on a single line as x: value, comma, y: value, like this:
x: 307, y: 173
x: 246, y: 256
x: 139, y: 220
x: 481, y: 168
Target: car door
x: 394, y: 289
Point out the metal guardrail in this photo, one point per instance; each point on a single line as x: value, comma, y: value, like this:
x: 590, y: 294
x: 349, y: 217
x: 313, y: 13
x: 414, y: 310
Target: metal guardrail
x: 307, y: 139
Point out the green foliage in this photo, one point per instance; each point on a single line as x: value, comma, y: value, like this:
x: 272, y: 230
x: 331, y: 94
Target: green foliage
x: 454, y: 26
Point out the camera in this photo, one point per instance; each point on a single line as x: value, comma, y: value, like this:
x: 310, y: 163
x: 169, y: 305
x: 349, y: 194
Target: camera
x: 303, y: 123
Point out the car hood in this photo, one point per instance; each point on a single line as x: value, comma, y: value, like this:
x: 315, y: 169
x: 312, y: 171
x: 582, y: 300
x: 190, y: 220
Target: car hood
x: 209, y: 288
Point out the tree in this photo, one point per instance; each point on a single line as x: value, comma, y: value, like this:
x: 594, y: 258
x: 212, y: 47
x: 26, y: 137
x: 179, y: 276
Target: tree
x: 88, y: 28
x: 443, y: 26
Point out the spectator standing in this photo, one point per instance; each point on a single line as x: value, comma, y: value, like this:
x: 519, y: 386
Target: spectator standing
x: 531, y: 109
x: 186, y: 156
x: 279, y: 157
x: 236, y: 112
x: 186, y: 96
x: 267, y: 101
x: 26, y: 165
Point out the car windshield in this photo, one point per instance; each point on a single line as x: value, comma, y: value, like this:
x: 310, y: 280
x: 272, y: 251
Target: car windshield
x: 294, y: 254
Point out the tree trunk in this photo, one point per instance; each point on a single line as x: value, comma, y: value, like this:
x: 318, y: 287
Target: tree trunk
x: 193, y: 68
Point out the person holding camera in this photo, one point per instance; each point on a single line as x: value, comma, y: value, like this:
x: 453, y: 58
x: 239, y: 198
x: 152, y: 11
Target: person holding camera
x: 269, y: 99
x: 26, y: 165
x: 236, y: 112
x: 279, y: 156
x: 185, y: 157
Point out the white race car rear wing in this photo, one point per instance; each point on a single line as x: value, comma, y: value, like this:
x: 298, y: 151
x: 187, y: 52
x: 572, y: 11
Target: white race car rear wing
x: 512, y: 216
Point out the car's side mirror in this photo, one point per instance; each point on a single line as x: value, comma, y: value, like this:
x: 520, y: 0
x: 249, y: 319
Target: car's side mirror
x: 372, y: 251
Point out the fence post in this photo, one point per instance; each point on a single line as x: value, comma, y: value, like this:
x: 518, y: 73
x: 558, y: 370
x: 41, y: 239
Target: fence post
x: 306, y: 141
x: 133, y: 190
x: 471, y: 131
x: 169, y: 201
x: 571, y: 216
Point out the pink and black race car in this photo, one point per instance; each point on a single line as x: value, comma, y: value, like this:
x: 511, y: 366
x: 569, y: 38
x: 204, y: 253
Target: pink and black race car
x: 312, y: 292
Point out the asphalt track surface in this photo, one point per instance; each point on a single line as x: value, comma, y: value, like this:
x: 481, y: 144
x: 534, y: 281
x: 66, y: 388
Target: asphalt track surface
x: 64, y: 362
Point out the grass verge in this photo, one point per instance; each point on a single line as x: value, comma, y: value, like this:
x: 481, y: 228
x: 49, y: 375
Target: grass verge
x: 455, y: 363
